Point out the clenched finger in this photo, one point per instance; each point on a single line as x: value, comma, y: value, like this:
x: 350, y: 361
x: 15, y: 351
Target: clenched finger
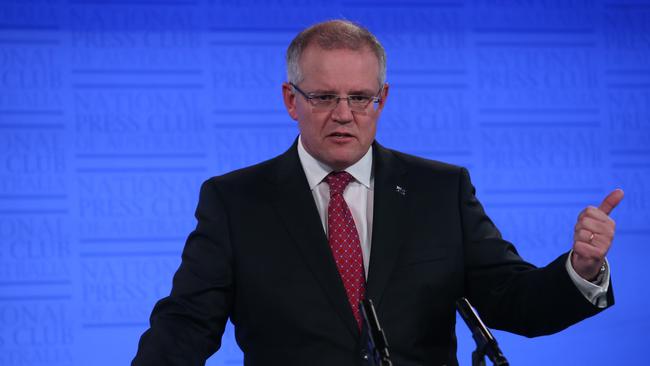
x: 594, y: 213
x: 595, y: 226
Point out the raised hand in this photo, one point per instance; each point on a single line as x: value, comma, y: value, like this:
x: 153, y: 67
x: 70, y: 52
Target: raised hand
x: 594, y: 233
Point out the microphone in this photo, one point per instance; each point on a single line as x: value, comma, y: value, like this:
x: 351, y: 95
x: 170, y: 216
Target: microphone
x: 486, y: 344
x: 377, y: 344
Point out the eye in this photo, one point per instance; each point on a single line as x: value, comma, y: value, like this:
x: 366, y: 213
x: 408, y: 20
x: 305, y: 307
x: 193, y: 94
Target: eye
x: 359, y: 99
x: 324, y: 97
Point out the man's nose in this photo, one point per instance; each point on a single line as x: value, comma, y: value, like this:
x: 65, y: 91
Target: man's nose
x: 342, y: 112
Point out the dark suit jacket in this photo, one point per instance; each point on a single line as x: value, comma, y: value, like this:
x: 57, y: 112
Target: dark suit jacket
x: 259, y: 256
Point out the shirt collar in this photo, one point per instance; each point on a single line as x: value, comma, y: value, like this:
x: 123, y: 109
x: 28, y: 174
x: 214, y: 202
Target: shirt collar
x: 316, y: 171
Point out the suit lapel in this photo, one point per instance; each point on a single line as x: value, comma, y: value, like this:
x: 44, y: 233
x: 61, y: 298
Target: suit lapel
x: 297, y: 210
x: 389, y: 220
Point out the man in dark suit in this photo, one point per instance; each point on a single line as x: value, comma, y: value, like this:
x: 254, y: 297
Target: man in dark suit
x: 287, y: 248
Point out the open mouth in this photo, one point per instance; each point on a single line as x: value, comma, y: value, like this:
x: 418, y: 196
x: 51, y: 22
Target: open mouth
x: 340, y: 135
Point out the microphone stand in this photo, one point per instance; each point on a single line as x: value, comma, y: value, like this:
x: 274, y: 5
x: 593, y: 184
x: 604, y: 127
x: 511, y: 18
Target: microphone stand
x: 377, y: 344
x: 486, y: 344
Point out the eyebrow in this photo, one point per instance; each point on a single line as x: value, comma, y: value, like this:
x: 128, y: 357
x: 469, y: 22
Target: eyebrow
x: 322, y: 91
x: 353, y: 92
x: 363, y: 92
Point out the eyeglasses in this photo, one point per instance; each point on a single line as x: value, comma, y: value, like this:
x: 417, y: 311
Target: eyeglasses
x: 327, y: 102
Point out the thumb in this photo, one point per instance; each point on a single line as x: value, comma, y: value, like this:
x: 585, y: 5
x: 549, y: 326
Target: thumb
x: 611, y: 201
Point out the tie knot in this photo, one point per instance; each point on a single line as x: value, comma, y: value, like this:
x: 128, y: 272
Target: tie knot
x: 338, y: 181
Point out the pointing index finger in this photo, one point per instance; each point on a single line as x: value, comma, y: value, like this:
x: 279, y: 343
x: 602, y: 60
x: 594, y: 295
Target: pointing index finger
x: 611, y: 201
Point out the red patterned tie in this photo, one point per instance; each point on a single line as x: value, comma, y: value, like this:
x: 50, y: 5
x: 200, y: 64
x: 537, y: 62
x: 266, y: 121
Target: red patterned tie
x: 344, y: 241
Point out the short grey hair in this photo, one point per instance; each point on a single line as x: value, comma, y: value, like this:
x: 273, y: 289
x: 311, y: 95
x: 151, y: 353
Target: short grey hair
x: 331, y: 35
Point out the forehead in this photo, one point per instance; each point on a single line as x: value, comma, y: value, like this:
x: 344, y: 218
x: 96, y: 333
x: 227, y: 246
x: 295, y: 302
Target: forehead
x: 339, y: 68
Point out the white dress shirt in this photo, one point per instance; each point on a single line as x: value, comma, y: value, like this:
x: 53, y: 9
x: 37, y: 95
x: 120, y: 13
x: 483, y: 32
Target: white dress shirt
x: 359, y: 196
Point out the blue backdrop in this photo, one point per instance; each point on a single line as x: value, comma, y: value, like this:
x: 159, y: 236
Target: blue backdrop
x: 112, y: 112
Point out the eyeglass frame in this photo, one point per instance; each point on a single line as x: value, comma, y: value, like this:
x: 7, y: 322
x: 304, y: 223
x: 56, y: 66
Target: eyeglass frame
x: 310, y: 98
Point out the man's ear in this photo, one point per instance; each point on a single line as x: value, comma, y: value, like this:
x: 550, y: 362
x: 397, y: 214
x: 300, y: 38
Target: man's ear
x: 384, y: 96
x: 289, y: 98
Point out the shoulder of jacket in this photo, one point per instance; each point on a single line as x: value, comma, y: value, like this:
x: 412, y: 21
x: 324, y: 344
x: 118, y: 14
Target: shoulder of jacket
x: 424, y: 165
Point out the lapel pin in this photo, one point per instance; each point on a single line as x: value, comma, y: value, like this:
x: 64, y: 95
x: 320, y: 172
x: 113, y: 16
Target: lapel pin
x: 400, y: 190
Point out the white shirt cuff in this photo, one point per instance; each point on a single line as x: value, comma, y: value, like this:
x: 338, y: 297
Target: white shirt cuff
x: 596, y: 293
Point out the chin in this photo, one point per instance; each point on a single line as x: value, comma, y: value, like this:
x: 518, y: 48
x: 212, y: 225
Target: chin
x: 342, y: 163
